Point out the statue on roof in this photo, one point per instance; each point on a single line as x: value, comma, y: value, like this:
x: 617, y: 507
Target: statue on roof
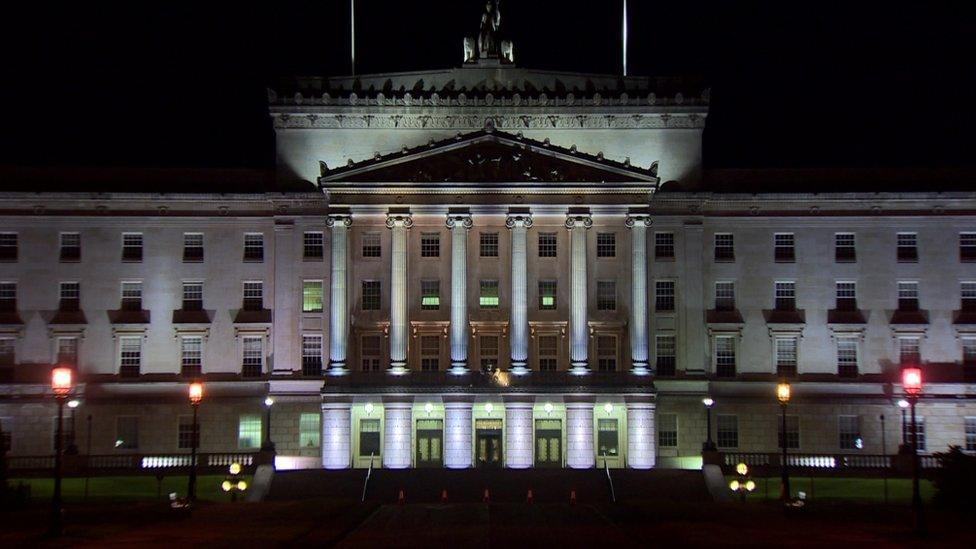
x: 488, y: 35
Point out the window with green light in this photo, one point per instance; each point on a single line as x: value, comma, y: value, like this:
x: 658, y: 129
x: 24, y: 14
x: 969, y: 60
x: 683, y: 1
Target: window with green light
x: 309, y: 433
x: 430, y: 295
x: 312, y: 296
x: 489, y: 294
x: 249, y: 431
x: 547, y: 294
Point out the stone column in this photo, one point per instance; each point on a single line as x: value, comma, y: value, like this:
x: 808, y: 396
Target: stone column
x: 518, y: 435
x: 638, y: 291
x: 285, y: 355
x: 339, y: 302
x: 457, y: 435
x: 519, y: 322
x: 398, y: 223
x: 640, y: 435
x: 580, y: 453
x: 397, y: 434
x: 578, y: 328
x: 459, y: 223
x: 336, y: 435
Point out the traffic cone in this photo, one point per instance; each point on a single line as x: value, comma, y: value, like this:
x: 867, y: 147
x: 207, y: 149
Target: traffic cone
x: 401, y: 497
x: 444, y: 496
x: 487, y: 497
x: 528, y: 496
x: 572, y: 497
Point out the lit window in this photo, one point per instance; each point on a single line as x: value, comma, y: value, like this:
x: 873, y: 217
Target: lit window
x: 249, y: 431
x: 784, y: 248
x: 126, y: 433
x: 664, y: 296
x: 253, y: 295
x: 430, y: 352
x: 371, y: 245
x: 846, y: 292
x: 907, y: 296
x: 70, y: 296
x: 311, y: 354
x: 430, y: 295
x: 606, y: 353
x: 132, y: 247
x: 312, y: 296
x: 547, y: 294
x: 664, y: 246
x: 370, y: 353
x: 489, y: 294
x: 70, y: 247
x: 785, y: 296
x: 967, y: 247
x: 132, y: 296
x: 665, y: 361
x: 667, y: 430
x: 309, y: 430
x: 844, y: 249
x: 313, y: 247
x: 847, y: 357
x: 191, y: 355
x: 724, y: 247
x: 792, y: 433
x: 192, y: 296
x: 192, y: 247
x: 371, y: 295
x: 725, y: 296
x: 785, y: 356
x: 548, y: 353
x: 606, y: 244
x: 907, y: 247
x: 727, y: 431
x: 430, y: 245
x: 606, y: 295
x: 725, y: 356
x: 547, y: 244
x: 8, y: 246
x: 252, y: 356
x: 489, y: 244
x: 253, y: 247
x: 849, y: 433
x: 130, y: 356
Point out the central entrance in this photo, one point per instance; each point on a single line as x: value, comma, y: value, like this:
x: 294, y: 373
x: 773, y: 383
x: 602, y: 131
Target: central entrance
x: 488, y: 442
x: 430, y: 442
x: 548, y: 443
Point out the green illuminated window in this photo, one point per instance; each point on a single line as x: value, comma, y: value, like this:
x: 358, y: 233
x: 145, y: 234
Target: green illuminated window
x: 312, y: 296
x: 547, y: 294
x: 249, y: 431
x: 430, y: 295
x: 309, y: 434
x: 489, y: 294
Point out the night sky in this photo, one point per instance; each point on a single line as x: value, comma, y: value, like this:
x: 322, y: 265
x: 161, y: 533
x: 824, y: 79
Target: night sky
x: 794, y: 84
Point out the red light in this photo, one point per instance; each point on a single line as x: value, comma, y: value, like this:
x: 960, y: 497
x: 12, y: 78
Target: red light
x: 196, y: 392
x: 61, y: 381
x: 911, y: 381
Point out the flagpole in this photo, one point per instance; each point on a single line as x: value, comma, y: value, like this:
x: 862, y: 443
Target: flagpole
x: 352, y: 35
x: 625, y: 38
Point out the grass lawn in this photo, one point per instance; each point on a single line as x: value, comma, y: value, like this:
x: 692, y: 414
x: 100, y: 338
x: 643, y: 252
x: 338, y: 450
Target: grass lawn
x: 126, y: 488
x: 834, y: 488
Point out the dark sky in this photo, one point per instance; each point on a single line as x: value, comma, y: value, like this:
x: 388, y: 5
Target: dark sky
x: 794, y: 84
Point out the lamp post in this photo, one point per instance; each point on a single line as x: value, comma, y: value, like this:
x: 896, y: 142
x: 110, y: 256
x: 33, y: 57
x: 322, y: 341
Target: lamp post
x: 61, y: 384
x: 911, y: 383
x: 72, y: 449
x: 267, y: 445
x: 903, y: 404
x: 783, y: 395
x: 708, y: 446
x: 196, y: 395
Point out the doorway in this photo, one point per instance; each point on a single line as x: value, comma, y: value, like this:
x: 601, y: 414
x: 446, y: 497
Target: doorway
x: 430, y: 443
x: 488, y: 442
x: 548, y: 443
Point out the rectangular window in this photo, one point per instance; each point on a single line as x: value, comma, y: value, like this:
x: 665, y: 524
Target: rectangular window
x: 253, y: 247
x: 489, y: 294
x: 907, y: 247
x: 967, y: 247
x: 908, y: 350
x: 130, y: 356
x: 309, y: 430
x: 786, y: 356
x: 253, y: 295
x: 727, y: 431
x: 430, y: 295
x: 725, y: 296
x: 371, y: 295
x: 369, y: 437
x: 846, y: 293
x: 548, y: 353
x: 664, y: 246
x: 844, y: 249
x: 724, y: 247
x: 547, y: 244
x: 792, y: 433
x: 313, y: 245
x: 192, y: 247
x: 667, y: 430
x: 249, y: 431
x: 191, y: 355
x: 725, y: 356
x: 68, y: 352
x: 547, y: 295
x: 606, y: 295
x: 132, y: 296
x: 785, y: 295
x: 132, y: 247
x: 312, y: 296
x: 784, y: 249
x: 430, y: 353
x: 371, y: 245
x: 847, y: 356
x: 606, y: 353
x: 311, y: 355
x: 126, y: 433
x: 921, y: 432
x: 7, y: 358
x: 8, y: 297
x: 70, y: 296
x: 849, y: 433
x: 969, y: 351
x: 967, y: 292
x: 252, y: 356
x: 192, y: 296
x: 185, y: 433
x: 8, y: 246
x: 488, y: 348
x: 430, y: 245
x: 664, y: 296
x: 489, y: 244
x: 370, y: 353
x: 607, y: 440
x: 70, y: 247
x: 971, y: 434
x: 664, y: 352
x: 907, y: 296
x: 606, y: 244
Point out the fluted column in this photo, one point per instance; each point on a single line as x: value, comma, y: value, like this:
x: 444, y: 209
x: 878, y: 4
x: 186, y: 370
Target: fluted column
x: 397, y: 434
x: 339, y: 303
x: 336, y: 435
x: 578, y: 329
x: 579, y: 435
x: 457, y: 435
x: 398, y: 224
x: 459, y: 223
x: 519, y: 322
x: 640, y: 435
x: 638, y: 291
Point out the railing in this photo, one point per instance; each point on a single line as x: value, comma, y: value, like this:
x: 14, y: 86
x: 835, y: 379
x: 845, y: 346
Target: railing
x: 137, y: 463
x: 807, y: 462
x: 369, y: 473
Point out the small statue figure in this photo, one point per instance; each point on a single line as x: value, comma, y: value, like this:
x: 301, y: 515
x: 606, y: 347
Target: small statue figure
x: 469, y: 52
x: 487, y: 36
x: 508, y: 54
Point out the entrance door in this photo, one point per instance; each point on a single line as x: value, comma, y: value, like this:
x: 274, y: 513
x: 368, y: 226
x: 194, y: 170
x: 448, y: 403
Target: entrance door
x: 430, y: 443
x: 488, y: 442
x: 548, y: 443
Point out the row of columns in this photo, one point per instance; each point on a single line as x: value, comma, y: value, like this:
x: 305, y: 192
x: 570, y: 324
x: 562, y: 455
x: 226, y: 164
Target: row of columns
x: 459, y: 224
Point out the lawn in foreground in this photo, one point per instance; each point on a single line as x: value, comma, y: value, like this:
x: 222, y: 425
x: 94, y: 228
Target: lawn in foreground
x: 126, y: 488
x: 838, y: 488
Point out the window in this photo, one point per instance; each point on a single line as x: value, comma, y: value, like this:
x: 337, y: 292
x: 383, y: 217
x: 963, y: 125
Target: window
x: 253, y: 295
x: 371, y: 295
x: 547, y: 295
x: 369, y: 437
x: 792, y: 433
x: 907, y: 296
x: 313, y: 247
x: 727, y: 432
x: 370, y: 352
x: 606, y: 353
x: 309, y: 430
x: 430, y: 353
x: 907, y: 247
x: 253, y: 247
x: 489, y: 244
x: 785, y: 356
x: 131, y: 246
x: 191, y: 355
x: 70, y: 296
x: 430, y: 295
x: 844, y: 250
x: 8, y: 246
x: 249, y: 431
x: 132, y: 296
x: 488, y: 346
x: 967, y: 291
x: 967, y: 247
x: 846, y: 296
x: 921, y: 432
x: 665, y: 362
x: 489, y: 294
x: 548, y: 353
x: 725, y: 356
x: 969, y: 351
x: 185, y: 433
x: 547, y: 244
x: 130, y: 356
x: 785, y: 296
x: 8, y: 296
x: 664, y: 296
x: 606, y: 295
x: 849, y: 433
x: 311, y: 355
x: 68, y: 352
x: 126, y: 433
x: 724, y: 247
x: 430, y: 245
x: 784, y: 249
x: 664, y: 246
x: 908, y: 350
x: 606, y: 244
x: 7, y: 351
x: 725, y: 296
x: 192, y: 247
x: 970, y: 434
x: 606, y: 437
x: 192, y: 296
x: 371, y: 245
x: 667, y: 430
x: 252, y: 356
x: 312, y: 296
x: 847, y: 356
x: 70, y: 247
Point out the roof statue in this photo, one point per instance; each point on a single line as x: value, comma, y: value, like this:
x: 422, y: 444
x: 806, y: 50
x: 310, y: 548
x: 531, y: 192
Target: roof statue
x: 488, y: 44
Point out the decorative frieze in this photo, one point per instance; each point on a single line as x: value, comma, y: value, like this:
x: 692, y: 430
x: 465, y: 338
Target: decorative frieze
x: 465, y: 121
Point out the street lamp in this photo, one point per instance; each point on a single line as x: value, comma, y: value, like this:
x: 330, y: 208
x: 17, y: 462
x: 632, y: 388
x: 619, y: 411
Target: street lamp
x: 708, y: 446
x: 61, y: 384
x: 267, y: 445
x: 196, y: 395
x: 911, y: 383
x: 783, y: 395
x: 72, y: 449
x: 903, y: 404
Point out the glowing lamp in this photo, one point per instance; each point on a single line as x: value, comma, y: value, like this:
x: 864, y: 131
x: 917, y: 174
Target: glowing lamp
x: 428, y: 408
x: 911, y: 381
x: 548, y: 408
x: 241, y: 485
x: 74, y: 403
x: 783, y: 393
x: 734, y: 485
x: 608, y: 408
x: 196, y: 393
x: 903, y: 404
x: 369, y: 408
x: 489, y: 408
x: 225, y: 486
x: 269, y: 402
x: 708, y: 402
x: 235, y: 468
x: 61, y: 381
x: 742, y: 469
x: 750, y: 485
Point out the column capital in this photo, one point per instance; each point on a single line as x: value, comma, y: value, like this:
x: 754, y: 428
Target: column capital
x: 579, y: 220
x: 634, y: 220
x: 459, y: 219
x: 518, y: 219
x: 338, y: 219
x: 399, y: 219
